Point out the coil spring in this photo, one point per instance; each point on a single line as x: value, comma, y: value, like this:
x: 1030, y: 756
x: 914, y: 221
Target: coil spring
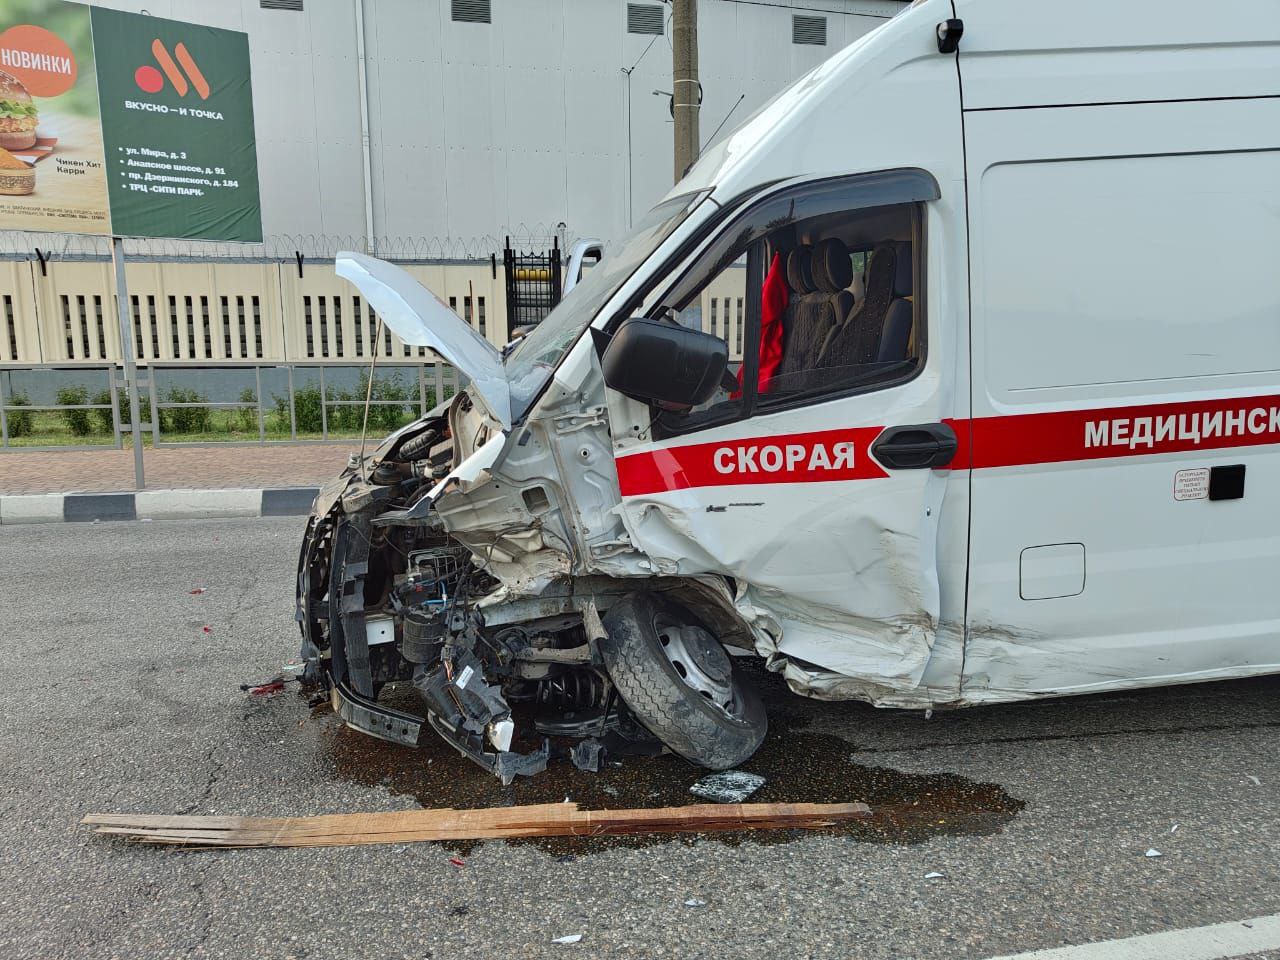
x: 572, y: 690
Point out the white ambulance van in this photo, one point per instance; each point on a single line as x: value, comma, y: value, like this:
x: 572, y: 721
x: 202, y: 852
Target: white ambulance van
x: 950, y: 377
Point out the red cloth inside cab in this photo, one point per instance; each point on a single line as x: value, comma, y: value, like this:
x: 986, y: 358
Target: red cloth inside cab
x: 773, y: 304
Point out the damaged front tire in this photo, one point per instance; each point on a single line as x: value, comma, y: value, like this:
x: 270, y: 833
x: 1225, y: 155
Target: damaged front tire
x: 679, y: 681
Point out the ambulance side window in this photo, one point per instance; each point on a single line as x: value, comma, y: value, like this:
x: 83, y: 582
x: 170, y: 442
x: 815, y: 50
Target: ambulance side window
x: 850, y: 319
x: 817, y: 293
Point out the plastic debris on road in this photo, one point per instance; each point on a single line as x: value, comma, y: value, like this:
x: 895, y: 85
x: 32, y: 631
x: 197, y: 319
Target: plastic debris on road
x: 571, y: 938
x: 934, y: 875
x: 1254, y: 780
x: 1153, y: 852
x: 293, y: 667
x: 268, y: 689
x: 695, y: 902
x: 206, y: 629
x: 457, y: 861
x: 196, y: 591
x: 730, y: 786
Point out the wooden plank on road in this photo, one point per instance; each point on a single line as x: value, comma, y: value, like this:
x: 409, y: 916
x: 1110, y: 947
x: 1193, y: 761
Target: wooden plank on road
x: 409, y: 826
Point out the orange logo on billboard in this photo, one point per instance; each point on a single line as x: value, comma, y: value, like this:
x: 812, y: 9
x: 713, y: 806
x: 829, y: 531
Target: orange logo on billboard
x: 151, y: 80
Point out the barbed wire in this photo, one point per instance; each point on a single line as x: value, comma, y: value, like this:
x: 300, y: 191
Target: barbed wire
x: 21, y: 245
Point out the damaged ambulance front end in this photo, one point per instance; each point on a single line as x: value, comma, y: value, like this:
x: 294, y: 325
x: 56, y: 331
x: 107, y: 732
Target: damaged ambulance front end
x: 478, y: 554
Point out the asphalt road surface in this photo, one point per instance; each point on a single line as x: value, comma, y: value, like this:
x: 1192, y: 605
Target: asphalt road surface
x: 1034, y: 820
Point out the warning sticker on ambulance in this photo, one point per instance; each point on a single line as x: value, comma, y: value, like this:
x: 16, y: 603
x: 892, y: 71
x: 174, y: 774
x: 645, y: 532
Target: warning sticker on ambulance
x: 1191, y: 484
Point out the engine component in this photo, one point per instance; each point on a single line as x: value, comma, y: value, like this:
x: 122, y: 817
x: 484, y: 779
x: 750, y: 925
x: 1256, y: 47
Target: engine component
x: 419, y: 447
x: 424, y: 634
x: 388, y: 474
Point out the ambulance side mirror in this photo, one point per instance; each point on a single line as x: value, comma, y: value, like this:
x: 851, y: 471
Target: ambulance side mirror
x: 663, y: 361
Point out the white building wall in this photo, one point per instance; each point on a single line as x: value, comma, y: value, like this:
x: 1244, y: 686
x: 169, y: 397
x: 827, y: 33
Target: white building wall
x: 483, y: 130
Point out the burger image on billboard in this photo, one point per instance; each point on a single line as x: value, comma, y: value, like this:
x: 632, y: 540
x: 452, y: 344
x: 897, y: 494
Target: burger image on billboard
x: 17, y: 177
x: 18, y: 114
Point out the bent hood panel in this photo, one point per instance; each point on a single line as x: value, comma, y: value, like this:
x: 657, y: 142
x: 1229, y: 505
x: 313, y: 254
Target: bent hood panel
x: 421, y: 319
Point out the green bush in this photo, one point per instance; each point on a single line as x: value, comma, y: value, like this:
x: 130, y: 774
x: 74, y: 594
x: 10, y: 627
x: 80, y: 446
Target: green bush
x: 103, y: 416
x: 247, y: 417
x: 77, y: 421
x: 390, y: 416
x: 392, y: 404
x: 18, y: 421
x: 306, y: 408
x: 344, y: 409
x: 346, y: 417
x: 186, y: 419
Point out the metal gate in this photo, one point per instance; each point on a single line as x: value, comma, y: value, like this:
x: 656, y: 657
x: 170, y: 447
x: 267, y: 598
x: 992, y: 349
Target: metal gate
x: 534, y: 284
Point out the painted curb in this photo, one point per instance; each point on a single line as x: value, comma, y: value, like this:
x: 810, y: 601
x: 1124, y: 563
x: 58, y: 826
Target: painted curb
x: 156, y: 505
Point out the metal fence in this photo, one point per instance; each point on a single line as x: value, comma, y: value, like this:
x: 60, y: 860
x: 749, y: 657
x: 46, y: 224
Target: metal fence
x: 64, y: 311
x: 86, y: 406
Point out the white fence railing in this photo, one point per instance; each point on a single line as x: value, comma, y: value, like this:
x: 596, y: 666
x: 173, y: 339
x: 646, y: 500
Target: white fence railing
x: 63, y: 311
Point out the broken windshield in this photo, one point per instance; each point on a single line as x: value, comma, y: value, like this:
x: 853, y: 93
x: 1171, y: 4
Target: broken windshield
x: 530, y: 364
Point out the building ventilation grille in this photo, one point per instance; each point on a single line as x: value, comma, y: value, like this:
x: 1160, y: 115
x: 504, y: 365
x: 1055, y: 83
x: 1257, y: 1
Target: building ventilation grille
x: 812, y: 30
x: 281, y: 5
x: 472, y: 11
x: 645, y: 18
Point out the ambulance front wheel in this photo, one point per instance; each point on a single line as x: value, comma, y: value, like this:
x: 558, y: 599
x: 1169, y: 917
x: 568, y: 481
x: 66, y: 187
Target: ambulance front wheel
x: 680, y: 682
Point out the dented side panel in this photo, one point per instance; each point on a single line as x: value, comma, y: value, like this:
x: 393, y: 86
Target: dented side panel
x: 846, y: 571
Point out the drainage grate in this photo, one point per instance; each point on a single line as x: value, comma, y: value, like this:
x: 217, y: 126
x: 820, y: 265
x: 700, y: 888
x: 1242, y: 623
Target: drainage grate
x: 472, y: 11
x: 281, y: 5
x: 810, y: 30
x: 645, y: 18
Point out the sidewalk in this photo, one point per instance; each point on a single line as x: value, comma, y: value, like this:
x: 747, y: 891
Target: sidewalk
x: 203, y: 468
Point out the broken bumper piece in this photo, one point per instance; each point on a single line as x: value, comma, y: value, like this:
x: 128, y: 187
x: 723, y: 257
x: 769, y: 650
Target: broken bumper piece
x: 373, y: 718
x: 467, y: 710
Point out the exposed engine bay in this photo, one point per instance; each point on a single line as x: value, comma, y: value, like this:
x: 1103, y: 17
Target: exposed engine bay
x: 387, y: 594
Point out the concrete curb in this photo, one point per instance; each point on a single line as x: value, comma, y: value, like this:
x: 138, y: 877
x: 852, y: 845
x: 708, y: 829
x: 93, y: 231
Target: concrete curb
x: 156, y: 505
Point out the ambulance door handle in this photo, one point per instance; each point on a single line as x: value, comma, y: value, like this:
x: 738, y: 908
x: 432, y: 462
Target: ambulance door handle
x: 917, y: 447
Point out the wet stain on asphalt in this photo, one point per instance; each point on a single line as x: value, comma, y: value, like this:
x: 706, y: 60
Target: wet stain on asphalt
x: 799, y: 765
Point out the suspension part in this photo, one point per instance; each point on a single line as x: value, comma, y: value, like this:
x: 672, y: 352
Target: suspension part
x: 573, y: 690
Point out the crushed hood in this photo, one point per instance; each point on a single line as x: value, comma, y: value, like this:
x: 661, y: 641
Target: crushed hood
x: 421, y: 319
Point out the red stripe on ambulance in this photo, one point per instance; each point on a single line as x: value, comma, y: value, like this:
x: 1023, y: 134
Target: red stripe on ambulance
x: 793, y: 458
x: 985, y: 442
x: 1133, y: 431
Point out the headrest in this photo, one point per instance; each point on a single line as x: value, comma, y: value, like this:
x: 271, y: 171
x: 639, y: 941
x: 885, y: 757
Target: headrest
x: 832, y: 268
x: 880, y: 270
x: 800, y: 271
x: 902, y: 286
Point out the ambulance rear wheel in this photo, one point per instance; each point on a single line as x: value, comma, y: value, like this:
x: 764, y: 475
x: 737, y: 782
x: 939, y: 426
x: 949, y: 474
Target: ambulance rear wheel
x: 680, y: 682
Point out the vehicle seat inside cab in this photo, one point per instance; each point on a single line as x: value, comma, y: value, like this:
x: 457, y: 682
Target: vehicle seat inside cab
x: 810, y: 312
x: 857, y: 338
x: 895, y: 337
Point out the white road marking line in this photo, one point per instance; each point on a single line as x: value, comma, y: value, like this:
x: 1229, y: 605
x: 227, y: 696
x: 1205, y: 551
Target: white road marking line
x: 1215, y: 942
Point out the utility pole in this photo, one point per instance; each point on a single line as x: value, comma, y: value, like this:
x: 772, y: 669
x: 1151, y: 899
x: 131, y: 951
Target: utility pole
x: 686, y: 92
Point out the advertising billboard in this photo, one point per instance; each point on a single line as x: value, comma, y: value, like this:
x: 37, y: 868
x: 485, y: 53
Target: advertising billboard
x: 125, y: 124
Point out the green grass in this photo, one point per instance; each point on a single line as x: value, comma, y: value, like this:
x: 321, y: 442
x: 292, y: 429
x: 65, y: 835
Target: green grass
x: 395, y: 403
x: 50, y: 428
